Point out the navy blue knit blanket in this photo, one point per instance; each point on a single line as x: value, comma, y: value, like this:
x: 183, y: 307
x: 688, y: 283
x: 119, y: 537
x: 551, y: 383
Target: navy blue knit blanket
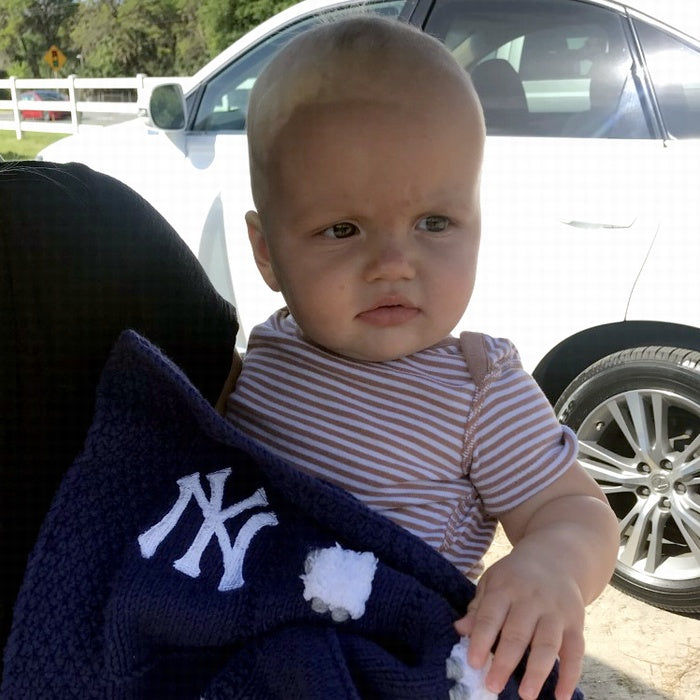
x: 180, y: 559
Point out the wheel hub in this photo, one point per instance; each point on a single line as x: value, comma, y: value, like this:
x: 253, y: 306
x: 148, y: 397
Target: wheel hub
x: 660, y: 483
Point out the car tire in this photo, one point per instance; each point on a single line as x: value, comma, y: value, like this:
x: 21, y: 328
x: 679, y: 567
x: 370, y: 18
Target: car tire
x: 637, y: 417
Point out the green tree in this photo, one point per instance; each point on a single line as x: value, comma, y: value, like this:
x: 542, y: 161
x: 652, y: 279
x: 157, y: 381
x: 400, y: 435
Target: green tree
x: 95, y: 37
x: 148, y: 30
x: 111, y: 38
x: 224, y: 21
x: 28, y: 30
x: 191, y: 48
x: 125, y: 37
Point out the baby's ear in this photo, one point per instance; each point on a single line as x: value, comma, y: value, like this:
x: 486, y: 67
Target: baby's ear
x: 261, y: 252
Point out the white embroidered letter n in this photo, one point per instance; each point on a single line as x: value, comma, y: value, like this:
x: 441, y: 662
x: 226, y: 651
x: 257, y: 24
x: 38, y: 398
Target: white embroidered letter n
x: 214, y: 519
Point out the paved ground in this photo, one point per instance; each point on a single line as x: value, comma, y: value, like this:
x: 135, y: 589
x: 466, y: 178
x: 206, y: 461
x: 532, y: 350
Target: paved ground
x: 635, y: 651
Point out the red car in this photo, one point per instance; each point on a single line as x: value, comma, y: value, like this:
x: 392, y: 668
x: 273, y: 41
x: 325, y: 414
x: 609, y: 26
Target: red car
x: 44, y: 96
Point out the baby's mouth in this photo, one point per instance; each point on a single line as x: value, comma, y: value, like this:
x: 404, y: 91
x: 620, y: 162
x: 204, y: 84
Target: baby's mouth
x: 387, y: 314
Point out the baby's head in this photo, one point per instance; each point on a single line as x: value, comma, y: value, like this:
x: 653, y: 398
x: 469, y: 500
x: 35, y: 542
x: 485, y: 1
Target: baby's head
x: 366, y: 139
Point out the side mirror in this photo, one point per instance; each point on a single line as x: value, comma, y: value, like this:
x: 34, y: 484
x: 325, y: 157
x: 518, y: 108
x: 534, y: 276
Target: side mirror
x: 167, y: 107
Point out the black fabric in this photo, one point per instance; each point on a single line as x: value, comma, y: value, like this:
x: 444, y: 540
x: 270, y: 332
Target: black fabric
x: 82, y: 257
x: 180, y: 559
x: 130, y: 618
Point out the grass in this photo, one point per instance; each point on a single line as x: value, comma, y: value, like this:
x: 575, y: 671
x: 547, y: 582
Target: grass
x: 26, y: 148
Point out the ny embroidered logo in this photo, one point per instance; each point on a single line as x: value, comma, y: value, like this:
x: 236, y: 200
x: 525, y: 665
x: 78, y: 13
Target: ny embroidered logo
x: 214, y: 519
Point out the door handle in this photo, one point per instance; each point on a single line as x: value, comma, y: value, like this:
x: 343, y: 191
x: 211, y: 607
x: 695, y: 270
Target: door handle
x: 574, y: 223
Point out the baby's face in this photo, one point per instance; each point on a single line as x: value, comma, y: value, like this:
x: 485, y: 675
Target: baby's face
x: 372, y: 231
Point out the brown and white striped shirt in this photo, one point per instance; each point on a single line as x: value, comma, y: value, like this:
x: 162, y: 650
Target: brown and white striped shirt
x: 414, y: 438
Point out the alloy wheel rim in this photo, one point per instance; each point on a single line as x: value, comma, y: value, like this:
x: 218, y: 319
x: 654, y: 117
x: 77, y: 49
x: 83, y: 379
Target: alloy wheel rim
x: 643, y: 449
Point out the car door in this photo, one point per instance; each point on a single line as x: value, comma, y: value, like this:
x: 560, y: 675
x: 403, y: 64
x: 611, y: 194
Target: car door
x: 217, y: 155
x: 568, y: 199
x: 668, y: 287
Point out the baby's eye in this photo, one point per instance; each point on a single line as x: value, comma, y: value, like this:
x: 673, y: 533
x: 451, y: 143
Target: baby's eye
x: 341, y: 230
x: 434, y: 223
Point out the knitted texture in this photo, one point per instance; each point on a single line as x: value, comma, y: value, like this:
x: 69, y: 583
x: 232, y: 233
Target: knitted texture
x: 181, y: 560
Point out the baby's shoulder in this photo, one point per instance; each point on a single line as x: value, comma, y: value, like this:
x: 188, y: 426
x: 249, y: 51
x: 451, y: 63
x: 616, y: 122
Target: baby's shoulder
x: 487, y: 356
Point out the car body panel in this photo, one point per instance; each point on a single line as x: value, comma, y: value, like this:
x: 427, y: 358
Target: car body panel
x: 672, y: 263
x: 537, y: 300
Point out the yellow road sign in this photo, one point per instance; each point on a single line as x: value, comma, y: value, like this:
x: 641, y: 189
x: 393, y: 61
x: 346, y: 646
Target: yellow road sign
x: 55, y: 57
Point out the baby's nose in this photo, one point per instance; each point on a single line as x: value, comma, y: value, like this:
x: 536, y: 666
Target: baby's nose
x: 390, y: 261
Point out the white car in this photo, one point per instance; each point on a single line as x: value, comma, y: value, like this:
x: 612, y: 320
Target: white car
x: 591, y: 237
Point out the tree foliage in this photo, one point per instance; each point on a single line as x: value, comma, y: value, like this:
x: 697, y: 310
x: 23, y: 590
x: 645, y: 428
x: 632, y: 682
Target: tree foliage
x: 28, y: 30
x: 125, y: 37
x: 112, y: 38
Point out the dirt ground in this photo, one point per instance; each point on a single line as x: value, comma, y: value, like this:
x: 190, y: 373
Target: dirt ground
x: 635, y: 651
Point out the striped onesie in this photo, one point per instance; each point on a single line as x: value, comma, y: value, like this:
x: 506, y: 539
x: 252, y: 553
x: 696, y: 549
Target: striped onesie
x: 413, y: 438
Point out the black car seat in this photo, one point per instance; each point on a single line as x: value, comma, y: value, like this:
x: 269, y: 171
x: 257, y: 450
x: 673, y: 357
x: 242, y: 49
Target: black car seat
x: 502, y: 97
x: 83, y: 257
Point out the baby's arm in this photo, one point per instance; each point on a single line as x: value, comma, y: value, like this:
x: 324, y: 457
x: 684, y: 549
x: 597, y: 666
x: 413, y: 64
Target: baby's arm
x: 565, y: 543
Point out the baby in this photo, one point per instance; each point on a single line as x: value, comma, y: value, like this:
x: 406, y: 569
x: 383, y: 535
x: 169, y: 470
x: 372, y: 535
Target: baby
x: 366, y: 141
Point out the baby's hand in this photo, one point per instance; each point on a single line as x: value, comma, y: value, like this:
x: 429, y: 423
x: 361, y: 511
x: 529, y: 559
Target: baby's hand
x: 524, y: 600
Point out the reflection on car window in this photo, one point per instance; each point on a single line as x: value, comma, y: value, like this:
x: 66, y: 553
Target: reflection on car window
x: 225, y: 100
x: 224, y: 103
x: 674, y: 68
x: 545, y: 68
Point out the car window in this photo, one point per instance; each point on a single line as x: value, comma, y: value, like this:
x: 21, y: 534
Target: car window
x: 224, y: 102
x: 49, y: 95
x: 545, y: 68
x: 674, y: 69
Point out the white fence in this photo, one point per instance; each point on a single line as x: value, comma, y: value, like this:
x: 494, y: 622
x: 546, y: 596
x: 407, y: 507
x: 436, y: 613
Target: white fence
x: 99, y: 88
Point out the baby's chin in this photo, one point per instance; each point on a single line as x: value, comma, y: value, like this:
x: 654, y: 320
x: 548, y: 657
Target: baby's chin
x: 382, y: 339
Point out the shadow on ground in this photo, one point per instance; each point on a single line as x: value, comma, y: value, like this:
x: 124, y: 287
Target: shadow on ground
x: 602, y: 682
